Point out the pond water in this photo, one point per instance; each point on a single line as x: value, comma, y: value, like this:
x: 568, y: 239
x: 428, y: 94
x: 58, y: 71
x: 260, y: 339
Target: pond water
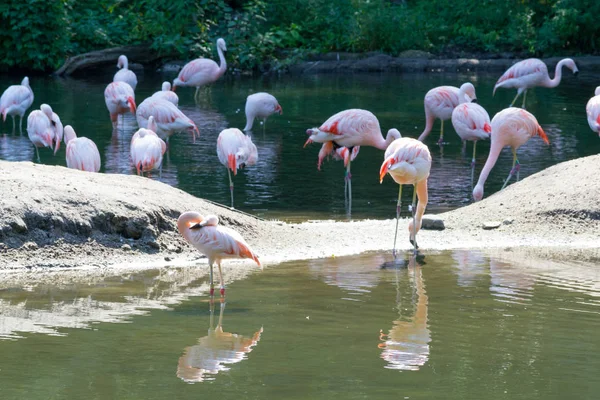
x: 451, y: 325
x: 285, y: 183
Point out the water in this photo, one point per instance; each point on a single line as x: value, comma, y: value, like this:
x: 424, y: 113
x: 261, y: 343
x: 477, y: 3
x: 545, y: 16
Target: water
x: 454, y: 325
x: 285, y: 183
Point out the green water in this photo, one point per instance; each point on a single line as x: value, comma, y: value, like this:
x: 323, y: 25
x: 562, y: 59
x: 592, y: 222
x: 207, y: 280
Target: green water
x: 285, y: 183
x: 459, y: 325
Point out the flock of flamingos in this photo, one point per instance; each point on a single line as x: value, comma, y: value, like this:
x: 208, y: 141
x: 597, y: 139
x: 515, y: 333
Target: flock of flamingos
x: 406, y: 160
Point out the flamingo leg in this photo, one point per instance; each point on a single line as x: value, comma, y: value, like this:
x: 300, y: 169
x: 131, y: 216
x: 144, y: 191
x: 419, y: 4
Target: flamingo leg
x: 473, y: 163
x: 348, y: 179
x: 264, y: 125
x: 524, y: 97
x: 413, y: 209
x: 230, y: 186
x: 196, y: 93
x: 514, y: 170
x: 221, y: 279
x: 441, y: 141
x: 38, y: 154
x: 398, y: 208
x: 212, y: 284
x: 13, y: 119
x: 515, y: 99
x: 20, y: 124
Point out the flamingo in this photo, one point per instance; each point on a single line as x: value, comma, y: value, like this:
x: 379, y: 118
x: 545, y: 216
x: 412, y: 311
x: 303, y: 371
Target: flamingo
x: 471, y: 122
x: 15, y: 100
x: 440, y: 102
x: 592, y: 110
x: 119, y: 99
x: 82, y: 153
x: 167, y: 94
x: 260, y: 105
x: 202, y: 71
x: 124, y: 74
x: 530, y: 73
x: 216, y: 351
x: 349, y: 128
x: 510, y: 127
x: 408, y: 161
x: 215, y: 241
x: 169, y: 119
x: 235, y: 150
x: 147, y: 149
x: 44, y: 129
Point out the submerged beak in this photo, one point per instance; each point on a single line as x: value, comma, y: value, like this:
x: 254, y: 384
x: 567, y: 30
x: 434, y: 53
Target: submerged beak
x: 576, y: 72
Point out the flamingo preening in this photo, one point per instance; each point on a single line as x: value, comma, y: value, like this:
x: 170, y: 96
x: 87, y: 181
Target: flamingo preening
x: 235, y: 150
x: 82, y: 153
x: 471, y: 122
x: 215, y: 241
x: 260, y: 105
x: 44, y: 129
x: 592, y: 109
x: 530, y: 73
x: 119, y: 98
x: 202, y: 71
x: 408, y: 162
x: 167, y: 94
x: 349, y: 128
x: 168, y: 118
x: 124, y: 74
x: 147, y: 149
x: 510, y: 127
x: 15, y: 100
x: 440, y: 102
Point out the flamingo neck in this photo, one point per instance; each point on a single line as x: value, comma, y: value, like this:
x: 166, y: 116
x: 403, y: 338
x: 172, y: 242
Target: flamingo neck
x: 223, y: 63
x: 383, y: 144
x: 495, y: 150
x: 557, y: 75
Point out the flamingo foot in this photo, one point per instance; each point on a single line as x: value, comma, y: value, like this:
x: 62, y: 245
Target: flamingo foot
x: 222, y: 291
x: 212, y: 291
x: 473, y: 163
x: 515, y: 170
x: 348, y: 176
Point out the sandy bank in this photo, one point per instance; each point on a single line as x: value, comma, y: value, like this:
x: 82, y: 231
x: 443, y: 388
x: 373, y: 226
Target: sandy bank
x: 56, y: 217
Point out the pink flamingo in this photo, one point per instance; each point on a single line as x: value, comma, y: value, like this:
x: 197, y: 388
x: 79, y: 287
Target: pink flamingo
x: 125, y: 74
x: 202, y: 71
x: 215, y: 241
x: 510, y: 127
x: 82, y: 153
x: 119, y: 99
x: 349, y: 128
x: 530, y: 73
x: 440, y: 102
x: 235, y: 150
x: 260, y: 105
x: 592, y: 110
x: 44, y: 129
x: 168, y: 118
x: 471, y: 122
x: 147, y: 149
x: 408, y: 162
x: 167, y: 94
x: 15, y: 100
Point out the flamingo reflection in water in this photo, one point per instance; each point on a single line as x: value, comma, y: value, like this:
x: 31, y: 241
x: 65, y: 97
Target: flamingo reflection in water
x: 406, y: 345
x: 215, y: 352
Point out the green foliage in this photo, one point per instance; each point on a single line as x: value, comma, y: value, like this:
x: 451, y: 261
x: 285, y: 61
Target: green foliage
x: 262, y: 34
x: 33, y: 34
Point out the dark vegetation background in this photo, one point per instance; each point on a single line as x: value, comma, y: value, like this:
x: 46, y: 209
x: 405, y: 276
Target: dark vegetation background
x: 40, y: 34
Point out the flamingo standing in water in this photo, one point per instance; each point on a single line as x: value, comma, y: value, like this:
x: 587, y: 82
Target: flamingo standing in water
x: 235, y: 150
x: 15, y: 100
x: 471, y: 122
x: 510, y: 127
x: 349, y: 128
x: 530, y: 73
x: 440, y: 102
x: 215, y: 241
x: 260, y: 105
x: 147, y: 149
x: 119, y: 99
x: 44, y: 129
x: 167, y: 94
x: 408, y: 162
x: 592, y: 110
x: 82, y: 153
x: 125, y: 74
x: 168, y: 118
x: 202, y: 71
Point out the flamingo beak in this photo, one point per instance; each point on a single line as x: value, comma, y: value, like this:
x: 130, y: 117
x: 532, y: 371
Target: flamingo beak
x: 131, y: 103
x: 279, y: 109
x: 194, y: 132
x: 487, y: 128
x: 232, y: 163
x: 384, y: 169
x: 309, y: 141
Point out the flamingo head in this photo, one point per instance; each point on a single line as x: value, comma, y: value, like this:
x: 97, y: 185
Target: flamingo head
x: 387, y: 163
x: 166, y: 86
x: 46, y: 109
x: 478, y: 192
x: 221, y: 44
x: 186, y: 221
x: 597, y: 91
x: 569, y: 63
x: 25, y: 82
x: 176, y: 82
x: 278, y: 109
x: 151, y: 124
x: 468, y: 91
x: 122, y: 62
x: 310, y: 133
x: 69, y: 133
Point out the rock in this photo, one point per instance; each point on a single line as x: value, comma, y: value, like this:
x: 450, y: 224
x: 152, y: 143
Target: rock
x: 432, y: 222
x: 168, y: 258
x: 508, y: 221
x: 153, y: 244
x: 126, y: 247
x: 30, y: 246
x: 491, y: 225
x: 415, y: 54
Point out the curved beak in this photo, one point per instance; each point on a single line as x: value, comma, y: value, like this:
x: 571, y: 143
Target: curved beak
x: 474, y: 100
x: 384, y: 168
x: 576, y: 72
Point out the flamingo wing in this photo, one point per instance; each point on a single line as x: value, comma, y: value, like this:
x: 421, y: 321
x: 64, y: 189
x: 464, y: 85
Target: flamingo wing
x: 407, y: 160
x: 82, y: 154
x: 197, y: 67
x: 221, y: 242
x: 524, y: 68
